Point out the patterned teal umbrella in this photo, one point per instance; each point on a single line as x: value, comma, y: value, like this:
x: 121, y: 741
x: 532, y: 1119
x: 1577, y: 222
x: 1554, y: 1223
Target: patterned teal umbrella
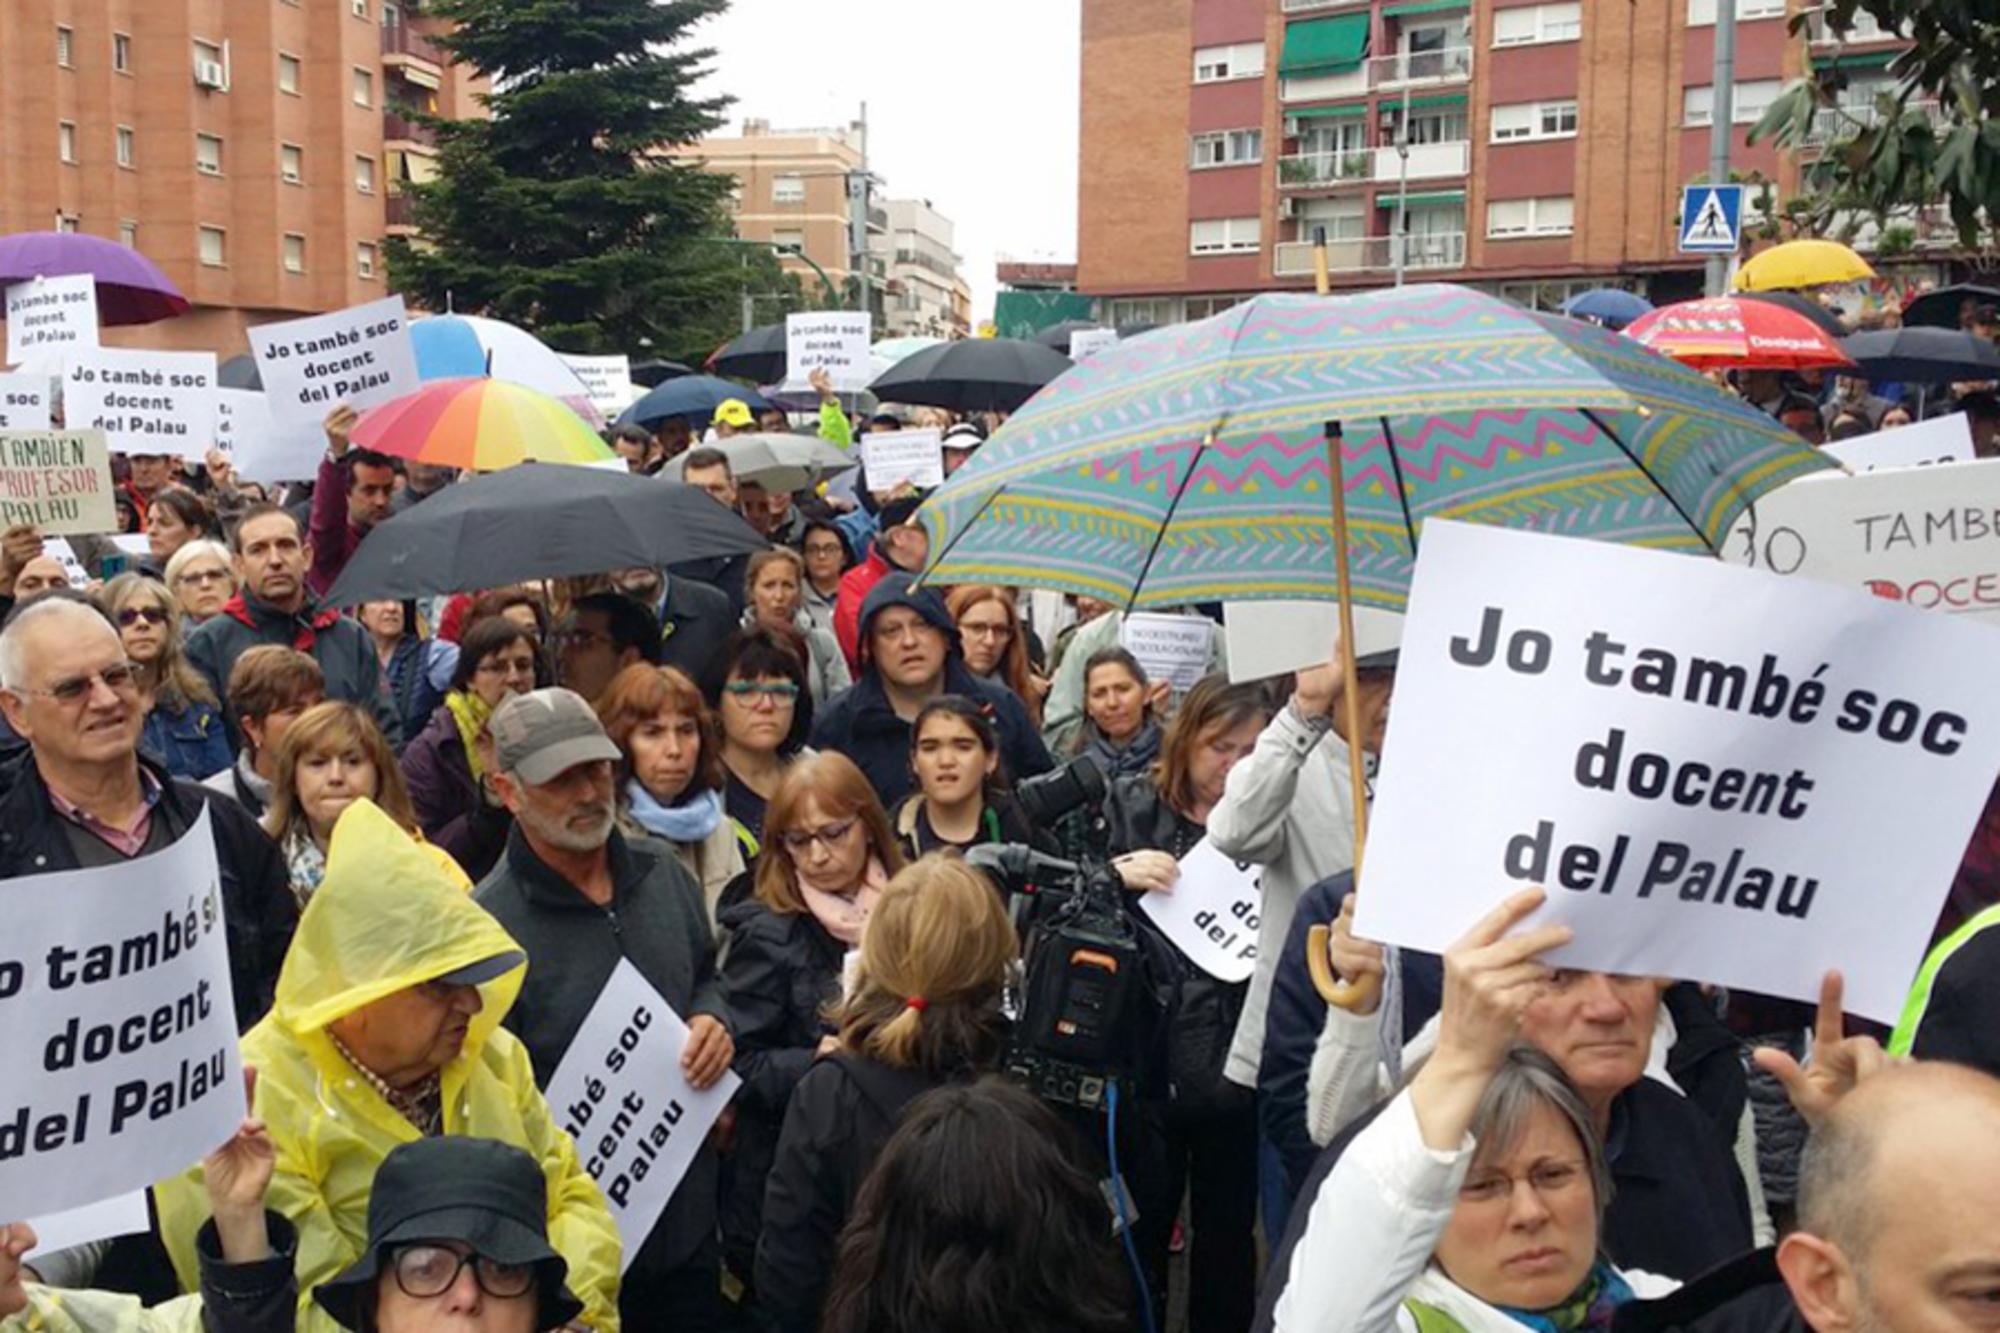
x: 1190, y: 464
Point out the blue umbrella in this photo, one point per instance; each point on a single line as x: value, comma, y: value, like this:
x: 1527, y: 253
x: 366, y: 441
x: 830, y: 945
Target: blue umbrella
x: 1613, y: 307
x: 694, y: 397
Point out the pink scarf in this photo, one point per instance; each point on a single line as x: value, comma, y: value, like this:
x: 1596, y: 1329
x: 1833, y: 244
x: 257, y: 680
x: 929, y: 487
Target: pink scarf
x: 844, y: 914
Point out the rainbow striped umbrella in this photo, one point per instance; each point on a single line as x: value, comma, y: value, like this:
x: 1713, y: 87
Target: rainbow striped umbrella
x: 481, y: 424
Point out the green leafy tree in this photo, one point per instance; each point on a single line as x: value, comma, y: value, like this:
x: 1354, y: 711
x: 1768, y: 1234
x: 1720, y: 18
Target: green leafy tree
x: 563, y: 211
x: 1934, y: 138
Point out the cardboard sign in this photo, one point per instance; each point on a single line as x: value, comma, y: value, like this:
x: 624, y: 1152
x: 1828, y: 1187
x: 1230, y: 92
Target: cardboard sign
x: 59, y: 550
x: 889, y: 458
x: 51, y: 316
x: 1265, y: 639
x: 1084, y: 343
x: 24, y: 402
x: 1213, y: 912
x: 361, y: 356
x: 608, y: 378
x: 1939, y: 440
x: 1172, y: 648
x: 835, y: 341
x: 620, y: 1094
x: 259, y: 447
x: 144, y: 402
x: 1716, y: 774
x: 1928, y: 536
x: 57, y: 480
x: 118, y: 1025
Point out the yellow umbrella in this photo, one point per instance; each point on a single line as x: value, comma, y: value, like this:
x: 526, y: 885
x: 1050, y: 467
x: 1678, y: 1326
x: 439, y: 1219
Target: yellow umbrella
x: 1801, y: 264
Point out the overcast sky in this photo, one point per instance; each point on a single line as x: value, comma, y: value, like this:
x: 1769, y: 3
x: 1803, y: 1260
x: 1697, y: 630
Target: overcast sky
x: 971, y: 105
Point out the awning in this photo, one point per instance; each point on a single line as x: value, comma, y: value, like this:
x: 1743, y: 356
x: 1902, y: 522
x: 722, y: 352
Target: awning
x: 1317, y: 47
x: 1387, y: 199
x: 1861, y: 59
x: 1423, y: 7
x: 1328, y: 112
x: 1435, y: 102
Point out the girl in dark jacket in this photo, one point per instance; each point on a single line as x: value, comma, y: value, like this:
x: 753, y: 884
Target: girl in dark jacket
x: 961, y: 800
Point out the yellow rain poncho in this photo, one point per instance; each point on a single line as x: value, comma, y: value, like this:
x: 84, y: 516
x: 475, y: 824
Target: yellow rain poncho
x: 56, y: 1310
x: 387, y: 918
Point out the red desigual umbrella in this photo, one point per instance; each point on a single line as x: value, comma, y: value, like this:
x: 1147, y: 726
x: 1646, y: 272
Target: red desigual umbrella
x: 130, y: 287
x: 1726, y: 333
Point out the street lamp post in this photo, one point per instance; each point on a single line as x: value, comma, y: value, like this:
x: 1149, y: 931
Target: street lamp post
x: 826, y: 283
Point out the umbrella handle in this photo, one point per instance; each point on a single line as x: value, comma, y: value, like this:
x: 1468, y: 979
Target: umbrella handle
x: 1353, y: 996
x: 1341, y: 994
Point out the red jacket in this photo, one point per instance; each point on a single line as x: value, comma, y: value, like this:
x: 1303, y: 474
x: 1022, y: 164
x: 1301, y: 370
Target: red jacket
x: 855, y: 586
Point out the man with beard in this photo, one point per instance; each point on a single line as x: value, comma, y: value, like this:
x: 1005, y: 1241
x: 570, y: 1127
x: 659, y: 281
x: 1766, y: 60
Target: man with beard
x: 580, y: 898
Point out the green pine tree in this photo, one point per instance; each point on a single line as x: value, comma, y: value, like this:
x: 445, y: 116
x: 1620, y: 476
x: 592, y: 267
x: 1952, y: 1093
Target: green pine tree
x: 563, y: 212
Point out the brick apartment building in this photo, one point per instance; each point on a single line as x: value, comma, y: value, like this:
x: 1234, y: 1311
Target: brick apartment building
x: 805, y: 190
x: 254, y: 151
x: 1547, y: 141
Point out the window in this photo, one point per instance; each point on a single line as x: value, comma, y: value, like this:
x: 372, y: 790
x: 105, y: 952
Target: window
x: 68, y: 222
x: 289, y: 72
x: 66, y: 141
x: 210, y: 70
x: 128, y: 234
x: 789, y: 239
x: 1701, y: 13
x: 1223, y: 236
x: 1530, y: 24
x: 364, y: 174
x: 1533, y: 120
x: 65, y: 47
x: 364, y: 88
x: 1244, y: 60
x: 1753, y: 99
x: 126, y: 151
x: 292, y: 164
x: 788, y: 189
x: 364, y: 260
x: 1450, y: 125
x: 1228, y: 148
x: 208, y: 154
x: 1554, y: 215
x: 295, y: 253
x: 121, y: 53
x: 211, y: 245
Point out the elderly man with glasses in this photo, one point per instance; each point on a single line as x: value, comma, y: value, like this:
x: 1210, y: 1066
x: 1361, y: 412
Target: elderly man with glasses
x: 83, y: 795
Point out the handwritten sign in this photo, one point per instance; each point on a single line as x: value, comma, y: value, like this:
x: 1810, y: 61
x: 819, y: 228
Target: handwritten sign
x: 1085, y: 343
x: 1175, y: 649
x: 835, y: 341
x: 24, y: 402
x: 1717, y: 774
x: 59, y: 550
x: 51, y: 316
x: 1927, y: 536
x: 889, y: 458
x: 144, y: 402
x: 58, y: 481
x: 1939, y: 440
x: 608, y: 378
x: 1265, y: 639
x: 1213, y: 912
x: 259, y: 447
x: 361, y: 356
x: 118, y: 1025
x: 620, y: 1094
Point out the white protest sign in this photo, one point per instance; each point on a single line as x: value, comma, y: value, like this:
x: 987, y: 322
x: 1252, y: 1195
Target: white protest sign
x: 117, y: 1026
x: 24, y: 402
x: 119, y: 1215
x: 1716, y: 774
x: 835, y: 341
x: 259, y: 447
x: 608, y: 379
x: 57, y: 480
x: 361, y: 356
x: 51, y: 315
x: 1171, y: 648
x: 1939, y: 440
x: 144, y: 402
x: 1928, y: 536
x: 59, y: 550
x: 1084, y: 343
x: 1213, y: 912
x: 131, y: 543
x: 620, y: 1094
x: 1264, y: 639
x: 894, y: 456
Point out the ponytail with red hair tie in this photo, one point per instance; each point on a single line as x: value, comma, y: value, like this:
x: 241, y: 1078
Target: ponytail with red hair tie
x: 918, y: 1003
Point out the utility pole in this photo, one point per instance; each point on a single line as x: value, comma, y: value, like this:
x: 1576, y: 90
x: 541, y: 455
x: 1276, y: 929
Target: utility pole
x: 1722, y: 124
x: 1403, y: 176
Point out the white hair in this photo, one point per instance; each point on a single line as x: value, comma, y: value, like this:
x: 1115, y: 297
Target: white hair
x: 14, y: 664
x: 193, y: 551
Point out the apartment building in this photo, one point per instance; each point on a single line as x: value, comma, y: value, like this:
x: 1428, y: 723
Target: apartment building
x: 254, y: 151
x: 927, y: 295
x: 1532, y: 147
x: 806, y: 191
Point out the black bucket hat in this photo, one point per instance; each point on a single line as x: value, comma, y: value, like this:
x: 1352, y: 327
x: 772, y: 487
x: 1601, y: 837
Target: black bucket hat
x: 489, y: 1195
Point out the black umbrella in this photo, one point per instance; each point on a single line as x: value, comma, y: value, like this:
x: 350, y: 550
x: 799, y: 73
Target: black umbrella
x: 971, y: 375
x: 239, y: 372
x: 694, y: 397
x: 757, y: 356
x: 654, y: 373
x: 1941, y: 309
x: 537, y: 521
x: 1923, y: 355
x: 1828, y: 322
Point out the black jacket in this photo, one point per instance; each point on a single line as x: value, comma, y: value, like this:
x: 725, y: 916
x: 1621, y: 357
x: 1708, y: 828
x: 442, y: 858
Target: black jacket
x: 259, y: 1297
x: 258, y: 909
x: 726, y: 574
x: 345, y: 653
x: 1745, y: 1295
x: 696, y: 619
x: 860, y: 723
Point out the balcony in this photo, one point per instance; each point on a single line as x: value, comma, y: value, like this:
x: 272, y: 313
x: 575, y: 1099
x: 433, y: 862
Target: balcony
x: 400, y: 39
x: 1428, y: 161
x: 1421, y: 69
x: 1370, y: 254
x: 400, y: 213
x: 1829, y: 123
x: 396, y: 125
x: 1305, y: 171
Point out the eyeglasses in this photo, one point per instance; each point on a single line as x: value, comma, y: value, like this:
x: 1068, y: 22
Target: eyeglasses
x: 135, y: 615
x: 203, y: 576
x: 1547, y: 1179
x: 830, y: 837
x: 974, y: 630
x: 119, y: 677
x: 751, y: 692
x: 823, y: 548
x: 580, y: 638
x: 425, y: 1271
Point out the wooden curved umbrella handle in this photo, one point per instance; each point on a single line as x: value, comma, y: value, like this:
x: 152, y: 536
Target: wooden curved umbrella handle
x: 1354, y: 997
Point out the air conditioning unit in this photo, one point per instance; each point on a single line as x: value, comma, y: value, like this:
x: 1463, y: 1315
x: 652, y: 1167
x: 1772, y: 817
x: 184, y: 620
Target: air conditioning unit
x: 210, y: 74
x: 1288, y: 207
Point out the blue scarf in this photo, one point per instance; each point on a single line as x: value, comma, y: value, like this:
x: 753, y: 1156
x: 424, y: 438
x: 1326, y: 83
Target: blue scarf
x: 691, y: 821
x: 1590, y: 1308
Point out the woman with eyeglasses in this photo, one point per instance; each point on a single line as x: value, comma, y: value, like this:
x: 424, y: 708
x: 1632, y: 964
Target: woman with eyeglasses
x: 757, y: 685
x: 828, y: 555
x: 773, y: 590
x: 202, y: 578
x: 183, y: 719
x: 828, y: 853
x: 995, y: 642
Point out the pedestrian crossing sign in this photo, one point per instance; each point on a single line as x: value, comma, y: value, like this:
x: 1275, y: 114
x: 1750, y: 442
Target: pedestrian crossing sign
x: 1711, y: 219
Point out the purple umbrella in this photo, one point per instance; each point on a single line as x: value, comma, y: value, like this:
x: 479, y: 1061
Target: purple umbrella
x: 130, y: 287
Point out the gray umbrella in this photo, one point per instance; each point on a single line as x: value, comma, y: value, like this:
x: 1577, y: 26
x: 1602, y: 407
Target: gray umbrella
x: 777, y: 462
